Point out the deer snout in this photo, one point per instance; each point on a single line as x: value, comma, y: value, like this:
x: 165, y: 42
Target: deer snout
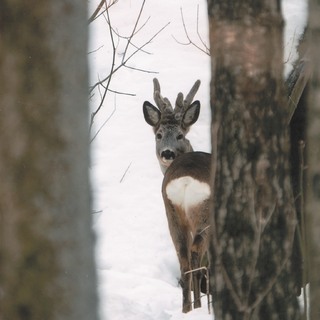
x: 168, y: 155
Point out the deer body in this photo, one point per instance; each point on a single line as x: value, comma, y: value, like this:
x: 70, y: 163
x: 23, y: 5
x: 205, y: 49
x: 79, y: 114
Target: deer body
x: 185, y: 189
x: 186, y: 194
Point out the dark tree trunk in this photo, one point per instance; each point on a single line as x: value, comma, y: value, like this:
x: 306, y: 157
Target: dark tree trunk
x: 313, y: 155
x: 253, y: 219
x: 46, y: 242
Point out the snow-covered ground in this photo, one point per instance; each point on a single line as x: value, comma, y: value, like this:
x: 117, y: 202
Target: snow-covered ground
x: 137, y: 266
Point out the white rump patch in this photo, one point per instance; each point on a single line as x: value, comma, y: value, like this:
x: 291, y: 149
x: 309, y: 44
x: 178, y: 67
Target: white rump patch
x: 187, y: 192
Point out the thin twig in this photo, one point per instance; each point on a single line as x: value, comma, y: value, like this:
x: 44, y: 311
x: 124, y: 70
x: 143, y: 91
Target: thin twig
x: 133, y: 30
x: 141, y: 70
x: 206, y: 269
x: 143, y: 51
x: 94, y: 15
x: 126, y: 61
x: 291, y: 49
x: 96, y: 211
x: 111, y: 71
x: 105, y: 83
x: 207, y: 50
x: 95, y: 50
x: 104, y: 123
x: 145, y: 44
x: 123, y: 176
x: 129, y: 38
x: 122, y: 93
x: 99, y: 7
x: 190, y: 42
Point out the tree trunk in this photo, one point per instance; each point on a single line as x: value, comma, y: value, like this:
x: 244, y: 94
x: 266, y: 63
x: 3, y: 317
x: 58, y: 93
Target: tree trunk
x: 313, y: 155
x: 46, y: 242
x: 253, y: 221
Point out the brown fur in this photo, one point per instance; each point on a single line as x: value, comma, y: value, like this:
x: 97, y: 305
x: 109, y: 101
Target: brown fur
x: 189, y: 231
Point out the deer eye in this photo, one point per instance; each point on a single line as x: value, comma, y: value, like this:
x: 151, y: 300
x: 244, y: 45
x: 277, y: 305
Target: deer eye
x: 180, y: 136
x: 159, y: 136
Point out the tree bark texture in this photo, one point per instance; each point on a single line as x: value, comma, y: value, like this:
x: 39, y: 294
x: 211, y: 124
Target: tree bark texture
x: 313, y: 156
x: 46, y: 242
x: 253, y: 221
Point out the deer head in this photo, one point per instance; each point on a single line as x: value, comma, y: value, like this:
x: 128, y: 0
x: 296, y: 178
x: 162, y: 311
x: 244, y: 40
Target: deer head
x: 171, y: 125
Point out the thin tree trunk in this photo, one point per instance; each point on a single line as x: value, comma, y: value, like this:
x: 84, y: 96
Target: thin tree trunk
x: 253, y: 221
x: 46, y: 242
x: 313, y: 156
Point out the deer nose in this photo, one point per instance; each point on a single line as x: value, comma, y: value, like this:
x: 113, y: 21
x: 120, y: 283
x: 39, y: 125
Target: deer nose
x: 168, y: 155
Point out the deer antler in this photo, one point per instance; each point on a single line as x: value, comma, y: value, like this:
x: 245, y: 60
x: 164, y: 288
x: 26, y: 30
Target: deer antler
x: 182, y: 105
x: 162, y: 103
x: 192, y: 93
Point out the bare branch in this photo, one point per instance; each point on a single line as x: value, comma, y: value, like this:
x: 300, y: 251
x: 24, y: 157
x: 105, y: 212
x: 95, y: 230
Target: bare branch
x: 122, y: 93
x: 207, y: 50
x: 130, y: 50
x: 99, y: 7
x: 128, y: 58
x: 190, y: 41
x: 112, y: 68
x: 129, y: 38
x: 123, y: 176
x: 93, y: 51
x: 133, y: 30
x: 141, y: 70
x: 145, y: 44
x: 104, y: 123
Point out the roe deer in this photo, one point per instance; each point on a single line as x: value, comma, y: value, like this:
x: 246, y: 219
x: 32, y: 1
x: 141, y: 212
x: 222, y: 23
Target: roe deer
x: 185, y: 188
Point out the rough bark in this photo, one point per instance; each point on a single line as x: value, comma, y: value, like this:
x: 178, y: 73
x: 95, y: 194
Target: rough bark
x: 313, y: 155
x: 253, y: 220
x: 46, y: 242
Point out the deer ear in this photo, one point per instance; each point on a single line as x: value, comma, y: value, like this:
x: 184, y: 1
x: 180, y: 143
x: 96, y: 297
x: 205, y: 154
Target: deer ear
x: 151, y: 114
x: 192, y: 114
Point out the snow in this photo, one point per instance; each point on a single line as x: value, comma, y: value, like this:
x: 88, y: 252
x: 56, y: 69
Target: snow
x: 137, y: 266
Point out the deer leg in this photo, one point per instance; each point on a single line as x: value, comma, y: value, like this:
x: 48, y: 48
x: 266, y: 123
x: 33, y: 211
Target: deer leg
x: 186, y: 292
x: 181, y: 238
x: 197, y: 251
x: 196, y: 274
x: 185, y: 280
